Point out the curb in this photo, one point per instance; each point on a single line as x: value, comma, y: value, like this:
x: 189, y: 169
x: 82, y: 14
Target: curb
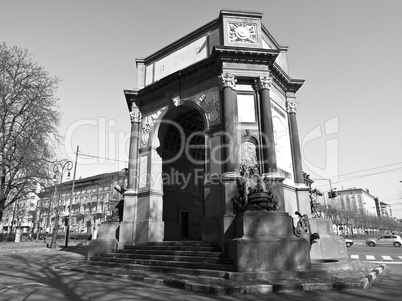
x: 247, y: 289
x: 370, y: 277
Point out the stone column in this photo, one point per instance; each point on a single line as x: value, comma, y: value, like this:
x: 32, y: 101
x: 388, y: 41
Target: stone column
x: 302, y: 190
x: 230, y: 156
x: 269, y: 167
x: 267, y: 130
x: 128, y: 225
x: 135, y: 117
x: 229, y: 106
x: 297, y: 163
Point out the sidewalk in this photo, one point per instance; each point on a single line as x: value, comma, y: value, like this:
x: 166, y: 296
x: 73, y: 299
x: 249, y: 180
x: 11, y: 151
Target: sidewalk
x: 23, y: 246
x: 37, y: 279
x: 34, y: 246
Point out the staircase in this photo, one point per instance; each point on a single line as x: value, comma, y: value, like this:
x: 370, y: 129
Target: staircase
x: 184, y: 257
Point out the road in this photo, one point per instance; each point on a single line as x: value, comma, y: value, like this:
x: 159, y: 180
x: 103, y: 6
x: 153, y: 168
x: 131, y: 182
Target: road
x: 31, y: 276
x: 382, y: 254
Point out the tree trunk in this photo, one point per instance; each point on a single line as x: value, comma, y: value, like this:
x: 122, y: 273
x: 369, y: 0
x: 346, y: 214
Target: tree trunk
x: 2, y: 203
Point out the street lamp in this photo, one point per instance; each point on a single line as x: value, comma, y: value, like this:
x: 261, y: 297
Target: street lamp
x: 61, y: 167
x: 71, y: 200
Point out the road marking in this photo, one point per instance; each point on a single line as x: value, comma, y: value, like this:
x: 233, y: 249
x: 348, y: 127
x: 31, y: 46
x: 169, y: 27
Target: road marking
x: 386, y: 258
x: 370, y: 257
x: 354, y: 256
x: 386, y: 262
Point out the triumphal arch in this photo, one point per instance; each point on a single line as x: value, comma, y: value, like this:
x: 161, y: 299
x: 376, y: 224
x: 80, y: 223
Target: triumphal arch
x: 208, y: 110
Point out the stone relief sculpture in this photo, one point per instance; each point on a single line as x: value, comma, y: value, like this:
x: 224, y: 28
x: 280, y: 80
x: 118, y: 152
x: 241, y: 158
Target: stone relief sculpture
x: 240, y: 32
x: 117, y: 211
x: 303, y: 228
x: 253, y: 192
x: 313, y: 202
x: 147, y: 124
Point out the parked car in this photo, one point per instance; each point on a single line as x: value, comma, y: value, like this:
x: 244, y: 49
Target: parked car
x: 348, y: 242
x: 385, y: 240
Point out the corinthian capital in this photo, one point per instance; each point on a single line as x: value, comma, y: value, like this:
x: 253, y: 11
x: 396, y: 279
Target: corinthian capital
x: 227, y: 80
x: 264, y: 82
x: 135, y: 116
x: 291, y: 105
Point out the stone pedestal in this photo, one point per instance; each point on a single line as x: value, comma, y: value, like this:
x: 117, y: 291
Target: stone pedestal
x: 106, y: 241
x: 329, y: 246
x: 266, y: 242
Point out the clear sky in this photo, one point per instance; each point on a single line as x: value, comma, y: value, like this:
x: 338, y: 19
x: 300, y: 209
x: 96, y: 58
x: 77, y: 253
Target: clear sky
x: 349, y: 53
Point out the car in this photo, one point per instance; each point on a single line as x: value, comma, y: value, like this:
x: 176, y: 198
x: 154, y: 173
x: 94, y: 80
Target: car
x: 385, y: 240
x: 348, y: 242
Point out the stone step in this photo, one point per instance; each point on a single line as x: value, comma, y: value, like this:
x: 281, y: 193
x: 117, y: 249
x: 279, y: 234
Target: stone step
x: 174, y: 247
x: 155, y: 268
x: 168, y: 263
x: 163, y: 257
x: 171, y: 252
x: 178, y: 243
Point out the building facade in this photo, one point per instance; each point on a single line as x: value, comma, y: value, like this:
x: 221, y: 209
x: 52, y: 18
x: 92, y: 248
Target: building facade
x: 93, y: 199
x: 357, y: 199
x: 21, y: 214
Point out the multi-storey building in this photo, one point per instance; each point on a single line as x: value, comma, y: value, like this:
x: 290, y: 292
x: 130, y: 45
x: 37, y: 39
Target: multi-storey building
x: 356, y: 199
x: 22, y: 213
x: 92, y: 200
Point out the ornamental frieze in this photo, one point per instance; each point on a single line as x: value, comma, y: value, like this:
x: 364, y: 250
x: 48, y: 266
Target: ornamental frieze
x: 241, y: 32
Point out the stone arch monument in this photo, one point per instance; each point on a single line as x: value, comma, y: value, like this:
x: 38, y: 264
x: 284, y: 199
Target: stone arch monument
x: 204, y: 106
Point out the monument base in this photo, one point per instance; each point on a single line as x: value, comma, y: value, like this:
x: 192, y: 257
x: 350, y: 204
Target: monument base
x: 106, y: 241
x: 266, y: 242
x: 330, y: 250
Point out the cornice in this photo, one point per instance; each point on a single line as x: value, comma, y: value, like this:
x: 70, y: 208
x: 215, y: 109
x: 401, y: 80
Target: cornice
x: 287, y: 83
x: 130, y: 97
x: 245, y: 55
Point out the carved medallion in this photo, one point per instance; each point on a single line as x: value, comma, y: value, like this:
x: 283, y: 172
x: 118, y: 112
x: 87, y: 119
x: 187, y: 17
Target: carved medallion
x: 242, y: 33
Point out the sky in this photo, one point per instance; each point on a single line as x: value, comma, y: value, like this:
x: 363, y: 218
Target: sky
x: 348, y: 53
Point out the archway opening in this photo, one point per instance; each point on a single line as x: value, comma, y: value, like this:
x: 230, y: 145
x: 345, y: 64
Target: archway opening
x: 182, y: 149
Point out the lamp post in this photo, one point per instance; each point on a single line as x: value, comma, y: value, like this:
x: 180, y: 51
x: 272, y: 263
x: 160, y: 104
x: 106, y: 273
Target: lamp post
x: 61, y: 167
x: 71, y: 200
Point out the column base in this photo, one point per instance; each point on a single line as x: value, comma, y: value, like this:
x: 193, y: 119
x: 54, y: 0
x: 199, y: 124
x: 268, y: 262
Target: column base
x: 126, y: 232
x: 148, y: 231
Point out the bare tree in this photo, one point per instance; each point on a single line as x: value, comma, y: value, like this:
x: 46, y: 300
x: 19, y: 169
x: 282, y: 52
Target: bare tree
x: 28, y: 123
